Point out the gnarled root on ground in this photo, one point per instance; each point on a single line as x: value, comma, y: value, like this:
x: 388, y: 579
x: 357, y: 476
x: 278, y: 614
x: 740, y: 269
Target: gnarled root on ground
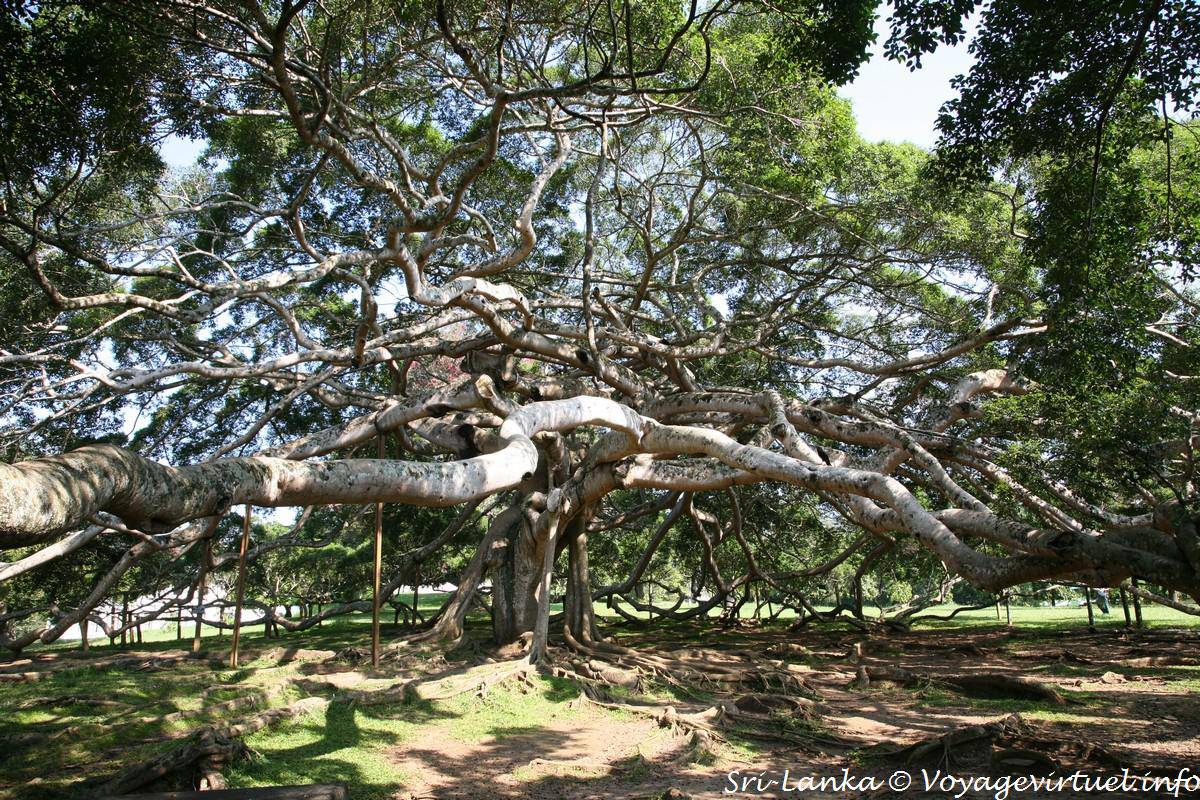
x: 30, y: 670
x: 1015, y: 687
x: 722, y: 672
x: 755, y: 699
x: 480, y: 679
x: 1010, y: 743
x: 208, y: 748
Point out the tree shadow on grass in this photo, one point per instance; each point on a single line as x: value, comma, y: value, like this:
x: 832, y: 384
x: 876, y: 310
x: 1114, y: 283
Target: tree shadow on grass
x: 559, y: 690
x: 70, y: 731
x: 350, y: 746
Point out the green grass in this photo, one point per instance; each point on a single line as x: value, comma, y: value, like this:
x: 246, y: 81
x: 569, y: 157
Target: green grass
x: 1045, y: 618
x: 68, y: 739
x: 89, y: 743
x: 509, y: 708
x: 938, y: 697
x: 166, y: 637
x: 345, y: 743
x: 351, y: 629
x: 1189, y: 684
x: 1061, y: 617
x: 77, y: 740
x: 357, y: 744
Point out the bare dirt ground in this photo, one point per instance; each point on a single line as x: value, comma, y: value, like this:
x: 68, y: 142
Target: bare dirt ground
x: 1129, y: 701
x: 970, y: 701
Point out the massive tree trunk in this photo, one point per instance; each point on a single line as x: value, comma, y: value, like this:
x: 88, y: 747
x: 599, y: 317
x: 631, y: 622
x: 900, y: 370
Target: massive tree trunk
x: 514, y: 571
x: 580, y: 617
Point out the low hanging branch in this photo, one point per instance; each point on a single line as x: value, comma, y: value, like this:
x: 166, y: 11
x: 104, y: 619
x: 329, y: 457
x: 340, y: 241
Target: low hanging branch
x: 49, y: 495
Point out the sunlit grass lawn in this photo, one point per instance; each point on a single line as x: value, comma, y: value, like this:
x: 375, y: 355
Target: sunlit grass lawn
x: 346, y: 741
x: 346, y: 630
x: 1060, y: 617
x: 355, y: 744
x: 1039, y: 617
x: 166, y: 634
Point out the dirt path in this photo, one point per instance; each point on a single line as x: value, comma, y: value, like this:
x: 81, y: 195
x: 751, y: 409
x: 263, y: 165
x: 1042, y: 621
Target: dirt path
x: 1127, y: 700
x: 1121, y: 710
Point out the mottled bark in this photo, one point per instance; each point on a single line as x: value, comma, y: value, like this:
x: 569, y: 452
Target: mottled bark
x: 514, y: 569
x: 47, y: 496
x: 579, y: 615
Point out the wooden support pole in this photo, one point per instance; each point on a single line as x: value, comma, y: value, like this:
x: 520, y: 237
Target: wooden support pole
x: 1007, y: 612
x: 378, y: 581
x: 200, y: 595
x: 241, y: 588
x: 1125, y: 606
x: 1087, y: 596
x: 83, y: 631
x: 124, y: 619
x: 1137, y: 604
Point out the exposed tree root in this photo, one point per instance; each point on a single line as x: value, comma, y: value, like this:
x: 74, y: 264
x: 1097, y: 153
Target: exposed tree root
x: 1011, y: 744
x: 788, y: 650
x: 751, y: 706
x: 207, y: 748
x: 606, y: 673
x: 70, y: 700
x: 943, y: 745
x: 707, y: 720
x: 1065, y: 657
x: 28, y: 738
x: 1159, y: 661
x: 1014, y: 687
x: 688, y: 670
x: 22, y: 677
x: 1018, y: 759
x: 286, y: 655
x: 569, y: 765
x: 479, y: 679
x: 243, y: 703
x: 12, y: 672
x: 1007, y: 686
x: 767, y: 704
x: 700, y: 749
x: 866, y: 676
